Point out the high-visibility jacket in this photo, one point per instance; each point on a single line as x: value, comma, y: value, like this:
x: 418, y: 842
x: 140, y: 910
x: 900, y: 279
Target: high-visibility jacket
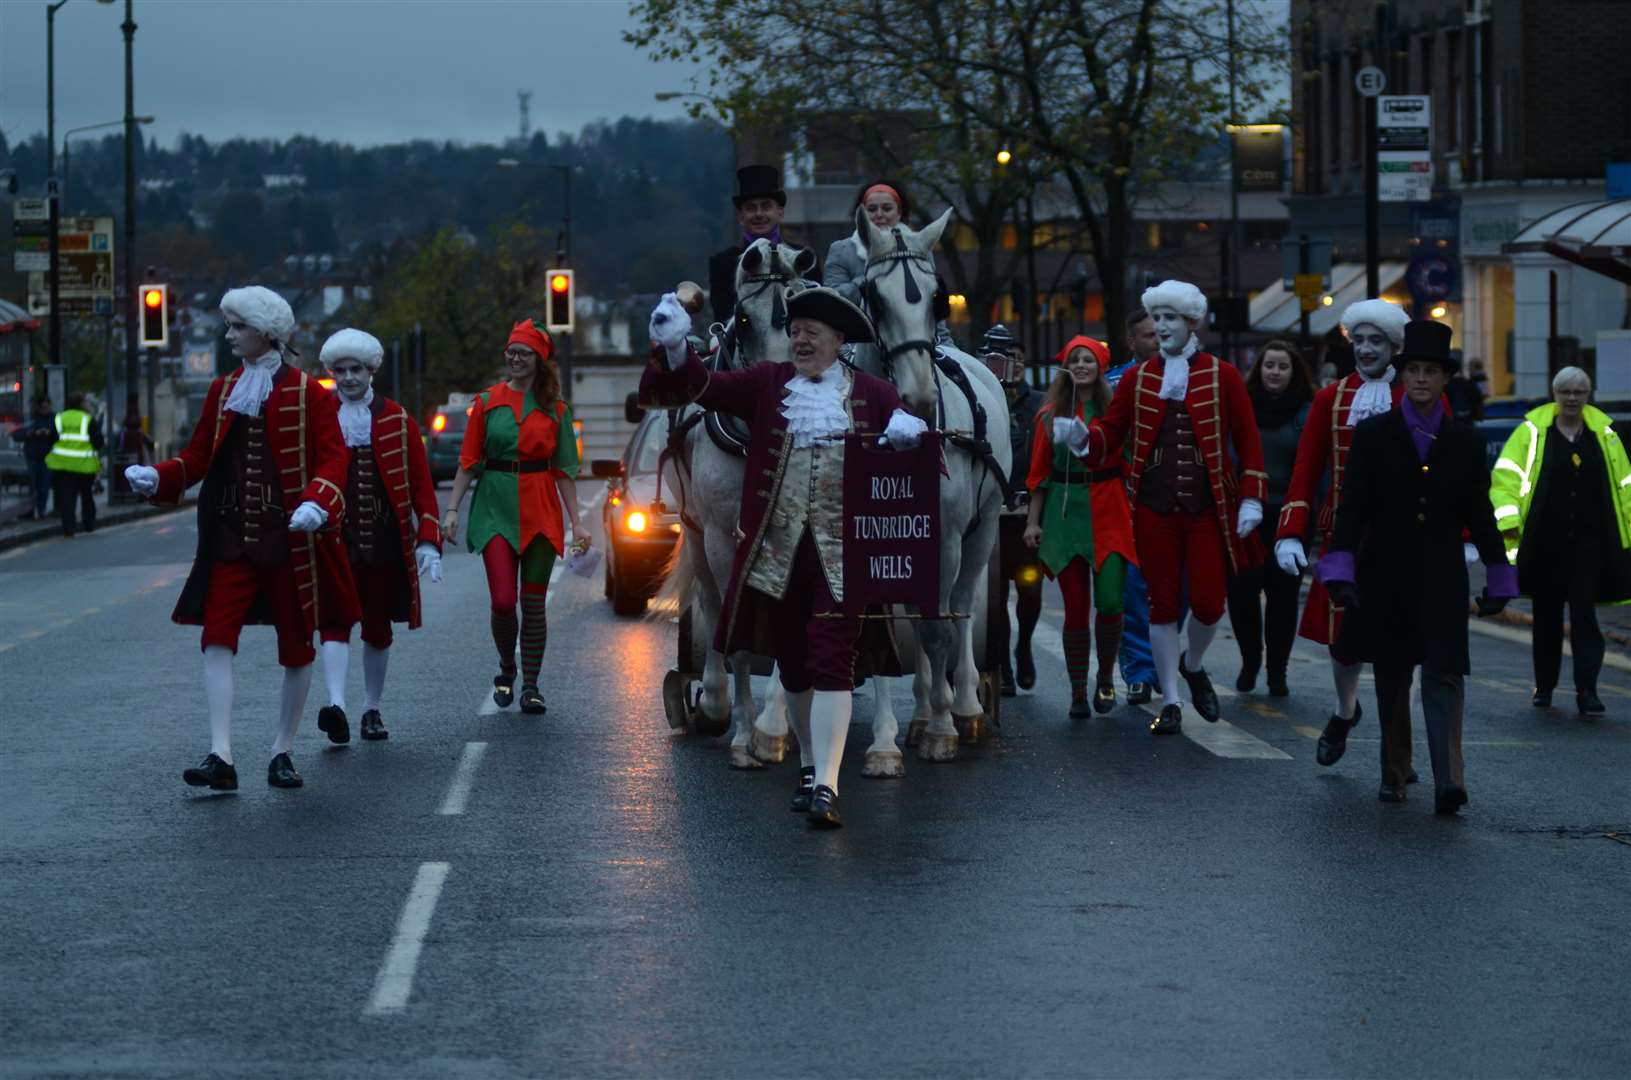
x: 73, y: 452
x: 1517, y: 471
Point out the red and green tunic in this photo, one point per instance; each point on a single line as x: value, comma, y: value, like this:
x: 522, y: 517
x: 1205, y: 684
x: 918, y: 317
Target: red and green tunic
x: 1093, y: 527
x: 506, y: 425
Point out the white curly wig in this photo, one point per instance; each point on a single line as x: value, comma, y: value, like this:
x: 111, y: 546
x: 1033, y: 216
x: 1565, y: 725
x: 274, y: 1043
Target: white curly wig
x: 1387, y: 317
x: 1180, y: 296
x: 349, y: 344
x: 264, y: 310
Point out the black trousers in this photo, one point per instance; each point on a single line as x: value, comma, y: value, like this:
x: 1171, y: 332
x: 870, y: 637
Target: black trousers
x: 1273, y: 621
x: 1013, y: 556
x: 1443, y: 706
x: 66, y: 486
x: 1567, y: 579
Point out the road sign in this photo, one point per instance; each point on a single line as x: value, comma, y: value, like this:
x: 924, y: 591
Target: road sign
x: 1309, y: 287
x: 1404, y: 139
x: 1291, y: 260
x: 85, y: 267
x: 1370, y: 81
x: 31, y: 235
x: 30, y: 210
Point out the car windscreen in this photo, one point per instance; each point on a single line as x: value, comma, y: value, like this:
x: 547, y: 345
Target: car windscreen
x: 652, y: 441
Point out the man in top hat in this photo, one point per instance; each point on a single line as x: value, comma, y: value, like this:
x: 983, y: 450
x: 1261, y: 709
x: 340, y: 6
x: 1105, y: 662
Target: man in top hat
x: 786, y: 593
x: 268, y: 450
x: 760, y: 206
x: 1415, y: 479
x: 393, y: 536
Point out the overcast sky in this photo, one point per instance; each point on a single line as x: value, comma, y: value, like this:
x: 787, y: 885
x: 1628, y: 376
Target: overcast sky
x: 357, y: 71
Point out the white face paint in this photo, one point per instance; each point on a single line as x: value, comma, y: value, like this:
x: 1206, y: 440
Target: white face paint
x: 247, y: 342
x: 1172, y: 330
x: 1373, y: 350
x: 351, y: 377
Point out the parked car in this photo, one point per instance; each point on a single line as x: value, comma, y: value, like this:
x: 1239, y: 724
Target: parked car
x: 444, y: 438
x: 642, y: 525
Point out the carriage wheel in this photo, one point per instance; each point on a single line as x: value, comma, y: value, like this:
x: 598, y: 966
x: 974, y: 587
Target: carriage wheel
x: 676, y: 690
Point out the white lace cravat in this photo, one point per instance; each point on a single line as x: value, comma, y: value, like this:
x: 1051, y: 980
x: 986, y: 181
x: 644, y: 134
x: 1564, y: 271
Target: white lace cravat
x: 1373, y: 398
x: 1175, y: 371
x: 254, y: 384
x: 357, y: 419
x: 814, y: 408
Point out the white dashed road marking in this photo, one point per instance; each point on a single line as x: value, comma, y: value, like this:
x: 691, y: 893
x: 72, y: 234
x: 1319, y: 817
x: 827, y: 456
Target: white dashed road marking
x: 395, y: 981
x: 458, y: 792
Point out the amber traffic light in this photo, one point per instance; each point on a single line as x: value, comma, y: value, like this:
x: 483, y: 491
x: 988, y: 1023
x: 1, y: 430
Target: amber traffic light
x: 155, y: 316
x: 560, y: 301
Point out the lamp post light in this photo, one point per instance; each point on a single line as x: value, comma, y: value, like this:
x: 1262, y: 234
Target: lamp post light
x: 67, y: 156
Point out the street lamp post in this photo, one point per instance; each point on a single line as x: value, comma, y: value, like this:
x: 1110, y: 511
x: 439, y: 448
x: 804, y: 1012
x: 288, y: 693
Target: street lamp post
x: 67, y: 157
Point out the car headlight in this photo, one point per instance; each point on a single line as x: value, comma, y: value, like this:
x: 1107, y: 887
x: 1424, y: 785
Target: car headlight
x: 635, y: 521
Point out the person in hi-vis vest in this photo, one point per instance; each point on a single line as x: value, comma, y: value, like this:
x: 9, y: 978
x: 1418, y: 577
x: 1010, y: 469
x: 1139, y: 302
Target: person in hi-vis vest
x: 74, y: 461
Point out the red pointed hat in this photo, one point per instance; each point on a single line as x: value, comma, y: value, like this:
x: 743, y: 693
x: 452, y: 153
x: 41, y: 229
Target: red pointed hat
x: 1100, y: 351
x: 527, y: 332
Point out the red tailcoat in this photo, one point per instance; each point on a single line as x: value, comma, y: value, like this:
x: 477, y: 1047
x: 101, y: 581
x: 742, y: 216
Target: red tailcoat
x: 404, y: 470
x: 303, y: 433
x: 1221, y: 412
x: 1326, y: 439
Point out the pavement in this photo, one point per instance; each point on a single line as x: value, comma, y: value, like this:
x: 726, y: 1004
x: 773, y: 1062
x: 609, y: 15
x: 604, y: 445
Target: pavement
x: 17, y: 530
x: 589, y: 894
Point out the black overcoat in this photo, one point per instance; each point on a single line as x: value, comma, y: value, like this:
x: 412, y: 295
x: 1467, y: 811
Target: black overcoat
x: 1402, y: 520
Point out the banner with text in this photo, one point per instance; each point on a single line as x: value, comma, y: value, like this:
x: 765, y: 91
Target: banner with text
x: 891, y: 524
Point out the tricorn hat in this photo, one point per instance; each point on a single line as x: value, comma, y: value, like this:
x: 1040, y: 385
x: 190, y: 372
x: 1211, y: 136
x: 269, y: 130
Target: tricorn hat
x: 826, y: 305
x: 758, y: 182
x: 1427, y: 340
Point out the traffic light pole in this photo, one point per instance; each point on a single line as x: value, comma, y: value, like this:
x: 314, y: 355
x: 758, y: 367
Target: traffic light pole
x: 133, y: 419
x: 54, y: 271
x: 1373, y: 210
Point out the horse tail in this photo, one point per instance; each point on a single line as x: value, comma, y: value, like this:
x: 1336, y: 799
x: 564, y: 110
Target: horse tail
x: 679, y: 582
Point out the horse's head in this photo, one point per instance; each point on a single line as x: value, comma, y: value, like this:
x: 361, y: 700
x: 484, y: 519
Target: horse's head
x: 899, y: 292
x: 765, y: 274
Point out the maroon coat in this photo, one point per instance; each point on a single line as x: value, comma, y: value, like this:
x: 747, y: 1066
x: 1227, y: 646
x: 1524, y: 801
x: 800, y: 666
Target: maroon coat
x: 756, y: 396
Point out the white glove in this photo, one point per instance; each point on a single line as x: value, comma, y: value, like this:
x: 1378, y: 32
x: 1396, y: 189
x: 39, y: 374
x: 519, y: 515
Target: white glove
x: 1290, y: 555
x: 670, y: 325
x: 1470, y: 553
x: 1251, y: 516
x: 1071, y: 432
x: 144, y: 479
x: 307, y: 517
x: 430, y: 562
x: 904, y: 431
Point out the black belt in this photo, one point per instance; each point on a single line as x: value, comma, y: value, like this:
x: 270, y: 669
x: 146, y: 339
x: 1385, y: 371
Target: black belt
x: 1086, y: 477
x: 518, y: 466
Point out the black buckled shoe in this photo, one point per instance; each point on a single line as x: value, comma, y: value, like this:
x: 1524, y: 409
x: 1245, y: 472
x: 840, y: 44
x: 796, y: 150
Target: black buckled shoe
x: 373, y: 726
x: 1389, y: 794
x: 504, y: 689
x: 824, y: 808
x: 1334, y: 739
x: 1447, y: 800
x: 212, y: 773
x: 1589, y: 703
x: 1541, y: 699
x: 1246, y: 681
x: 280, y: 773
x: 532, y: 702
x: 1024, y: 667
x: 1104, y: 698
x: 1138, y: 693
x: 332, y: 722
x: 1169, y: 721
x: 1080, y: 708
x: 1201, y: 694
x: 1278, y: 686
x: 803, y: 793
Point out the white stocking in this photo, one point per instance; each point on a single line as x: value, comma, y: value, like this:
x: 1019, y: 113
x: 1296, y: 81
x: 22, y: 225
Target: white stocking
x: 1200, y: 636
x: 336, y: 663
x: 373, y: 674
x: 296, y: 684
x: 218, y: 695
x: 798, y: 711
x: 1164, y: 644
x: 829, y: 727
x: 1346, y: 678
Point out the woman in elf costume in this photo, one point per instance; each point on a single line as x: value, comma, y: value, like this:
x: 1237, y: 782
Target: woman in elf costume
x: 520, y: 434
x: 1080, y: 521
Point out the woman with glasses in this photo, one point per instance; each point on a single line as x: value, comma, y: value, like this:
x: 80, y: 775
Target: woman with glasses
x: 521, y: 436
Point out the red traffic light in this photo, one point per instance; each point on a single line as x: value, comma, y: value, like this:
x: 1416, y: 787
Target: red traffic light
x: 153, y: 298
x: 559, y: 283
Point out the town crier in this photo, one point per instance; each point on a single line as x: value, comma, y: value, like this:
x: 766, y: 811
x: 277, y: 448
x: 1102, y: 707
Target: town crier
x: 1375, y: 329
x: 393, y: 535
x: 786, y: 593
x: 1194, y: 506
x: 267, y: 449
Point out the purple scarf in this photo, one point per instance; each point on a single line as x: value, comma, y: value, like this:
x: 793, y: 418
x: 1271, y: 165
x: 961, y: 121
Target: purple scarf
x: 1423, y: 429
x: 774, y: 236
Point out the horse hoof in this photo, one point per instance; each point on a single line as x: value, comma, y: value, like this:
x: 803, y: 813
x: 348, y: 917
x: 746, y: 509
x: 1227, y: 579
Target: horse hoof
x: 884, y: 765
x: 914, y: 732
x: 741, y: 759
x: 970, y: 729
x: 768, y: 749
x: 936, y: 747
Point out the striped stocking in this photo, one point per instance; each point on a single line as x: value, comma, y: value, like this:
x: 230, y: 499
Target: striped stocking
x: 534, y: 631
x: 1109, y: 628
x: 1078, y: 655
x: 504, y: 631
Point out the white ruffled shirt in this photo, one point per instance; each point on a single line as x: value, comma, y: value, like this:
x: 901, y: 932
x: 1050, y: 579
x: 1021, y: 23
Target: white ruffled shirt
x: 1175, y: 371
x: 357, y: 419
x: 814, y: 408
x: 249, y: 393
x: 1373, y: 398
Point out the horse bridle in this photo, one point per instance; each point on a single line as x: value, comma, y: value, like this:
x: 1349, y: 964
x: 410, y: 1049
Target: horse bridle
x: 902, y: 257
x: 776, y: 277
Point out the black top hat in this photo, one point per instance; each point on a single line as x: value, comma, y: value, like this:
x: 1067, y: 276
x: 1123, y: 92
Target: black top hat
x: 999, y: 337
x: 826, y: 305
x: 1425, y: 339
x: 758, y: 182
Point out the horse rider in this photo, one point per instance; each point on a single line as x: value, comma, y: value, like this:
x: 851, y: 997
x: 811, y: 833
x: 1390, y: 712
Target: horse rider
x: 760, y: 203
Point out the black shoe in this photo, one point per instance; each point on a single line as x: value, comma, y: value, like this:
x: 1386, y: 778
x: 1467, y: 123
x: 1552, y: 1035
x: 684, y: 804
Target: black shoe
x: 1169, y: 721
x: 1389, y: 794
x: 331, y: 720
x: 823, y: 812
x: 1589, y: 703
x: 532, y: 702
x: 1138, y: 693
x: 803, y: 793
x: 212, y: 773
x: 1008, y: 688
x: 1080, y: 708
x: 280, y: 773
x: 1246, y: 681
x: 1104, y: 698
x: 373, y: 728
x: 1447, y: 800
x: 1202, y: 696
x: 1024, y: 667
x: 1411, y: 777
x: 1541, y: 699
x: 503, y: 689
x: 1277, y: 685
x: 1334, y: 739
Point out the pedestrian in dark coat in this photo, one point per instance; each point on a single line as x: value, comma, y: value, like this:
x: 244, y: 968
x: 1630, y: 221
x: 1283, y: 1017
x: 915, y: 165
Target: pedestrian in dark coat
x: 1416, y: 479
x: 36, y: 438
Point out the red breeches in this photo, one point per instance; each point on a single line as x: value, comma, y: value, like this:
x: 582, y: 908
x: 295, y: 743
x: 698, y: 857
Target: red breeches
x: 814, y: 653
x: 1171, y: 546
x: 234, y: 586
x: 377, y: 586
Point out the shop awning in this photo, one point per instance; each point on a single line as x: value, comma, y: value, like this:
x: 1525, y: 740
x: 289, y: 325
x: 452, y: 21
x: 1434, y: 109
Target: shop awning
x: 1276, y: 310
x: 1595, y: 235
x: 14, y: 318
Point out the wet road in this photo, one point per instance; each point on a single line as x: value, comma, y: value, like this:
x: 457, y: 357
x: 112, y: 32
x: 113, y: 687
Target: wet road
x: 587, y: 894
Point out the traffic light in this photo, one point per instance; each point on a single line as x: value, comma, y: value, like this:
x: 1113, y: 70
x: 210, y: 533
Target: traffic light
x: 155, y: 316
x: 560, y: 301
